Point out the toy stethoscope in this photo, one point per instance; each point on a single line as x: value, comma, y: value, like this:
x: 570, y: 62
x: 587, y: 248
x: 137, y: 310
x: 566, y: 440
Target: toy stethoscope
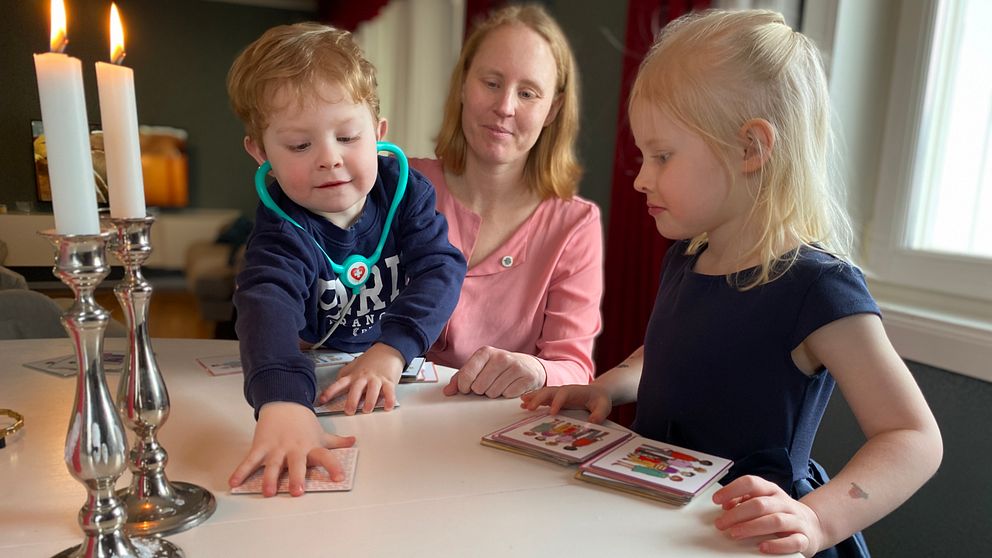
x: 356, y: 269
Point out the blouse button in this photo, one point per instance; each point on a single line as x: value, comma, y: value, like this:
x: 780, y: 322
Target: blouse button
x: 507, y: 261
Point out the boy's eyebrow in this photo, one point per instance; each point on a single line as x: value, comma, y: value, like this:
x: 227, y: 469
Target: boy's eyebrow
x: 277, y: 128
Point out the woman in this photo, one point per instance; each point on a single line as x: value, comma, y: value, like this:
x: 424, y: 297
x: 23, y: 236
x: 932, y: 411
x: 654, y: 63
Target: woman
x: 506, y: 176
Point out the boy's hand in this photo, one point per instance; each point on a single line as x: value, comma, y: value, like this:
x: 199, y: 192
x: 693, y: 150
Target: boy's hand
x: 754, y: 507
x: 289, y: 436
x: 497, y: 373
x: 593, y: 398
x: 377, y: 369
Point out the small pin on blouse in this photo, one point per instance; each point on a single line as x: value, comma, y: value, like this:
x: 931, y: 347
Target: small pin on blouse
x: 507, y: 261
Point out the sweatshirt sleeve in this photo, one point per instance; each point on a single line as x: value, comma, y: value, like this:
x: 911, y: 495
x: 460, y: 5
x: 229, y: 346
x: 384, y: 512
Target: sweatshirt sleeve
x: 572, y: 317
x: 434, y: 269
x: 270, y: 297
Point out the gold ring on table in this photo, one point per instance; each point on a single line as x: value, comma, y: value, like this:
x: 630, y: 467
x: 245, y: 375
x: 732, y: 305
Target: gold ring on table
x: 10, y: 429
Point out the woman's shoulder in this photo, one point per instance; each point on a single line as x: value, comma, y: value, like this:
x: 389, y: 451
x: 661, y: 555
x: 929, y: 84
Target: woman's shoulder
x: 432, y: 169
x: 576, y: 211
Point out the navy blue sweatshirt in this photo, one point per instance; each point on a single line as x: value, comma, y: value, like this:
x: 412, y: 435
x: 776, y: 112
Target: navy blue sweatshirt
x: 287, y: 291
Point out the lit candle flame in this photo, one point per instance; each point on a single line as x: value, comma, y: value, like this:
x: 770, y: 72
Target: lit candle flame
x: 116, y: 36
x: 58, y: 35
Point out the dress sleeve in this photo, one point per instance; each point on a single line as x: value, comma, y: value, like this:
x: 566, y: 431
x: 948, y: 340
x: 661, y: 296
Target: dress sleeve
x: 837, y: 292
x: 572, y: 317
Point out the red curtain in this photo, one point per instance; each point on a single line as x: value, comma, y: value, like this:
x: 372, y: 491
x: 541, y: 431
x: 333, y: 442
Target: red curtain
x: 634, y: 249
x: 347, y: 14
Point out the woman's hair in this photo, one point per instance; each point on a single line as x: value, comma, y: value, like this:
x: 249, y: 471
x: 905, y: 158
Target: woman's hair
x: 713, y: 72
x: 301, y: 57
x: 552, y: 169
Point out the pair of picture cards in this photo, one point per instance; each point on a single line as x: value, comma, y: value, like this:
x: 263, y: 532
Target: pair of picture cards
x: 613, y: 457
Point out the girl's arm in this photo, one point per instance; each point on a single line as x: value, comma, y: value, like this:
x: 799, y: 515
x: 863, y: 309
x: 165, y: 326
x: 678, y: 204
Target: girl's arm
x: 615, y: 387
x: 904, y: 446
x: 902, y: 451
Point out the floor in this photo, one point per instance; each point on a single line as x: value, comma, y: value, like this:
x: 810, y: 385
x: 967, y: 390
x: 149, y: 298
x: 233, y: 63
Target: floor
x: 171, y: 312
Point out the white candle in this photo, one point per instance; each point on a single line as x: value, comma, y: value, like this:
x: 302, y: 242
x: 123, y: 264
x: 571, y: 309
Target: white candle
x: 67, y: 136
x: 119, y: 117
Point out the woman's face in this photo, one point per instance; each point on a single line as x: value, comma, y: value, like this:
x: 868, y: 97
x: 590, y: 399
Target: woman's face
x: 509, y: 96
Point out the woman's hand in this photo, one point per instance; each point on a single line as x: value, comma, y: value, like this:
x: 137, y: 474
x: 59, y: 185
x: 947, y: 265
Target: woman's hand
x: 593, y: 398
x: 754, y: 507
x: 497, y: 373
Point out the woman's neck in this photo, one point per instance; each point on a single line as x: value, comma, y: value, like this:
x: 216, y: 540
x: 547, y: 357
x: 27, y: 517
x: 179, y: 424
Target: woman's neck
x: 483, y: 188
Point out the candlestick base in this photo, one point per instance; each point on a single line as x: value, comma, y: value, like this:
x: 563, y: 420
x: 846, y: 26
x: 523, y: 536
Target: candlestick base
x: 155, y: 506
x: 95, y: 444
x: 145, y: 547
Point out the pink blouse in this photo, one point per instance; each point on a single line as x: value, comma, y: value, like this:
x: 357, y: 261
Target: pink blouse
x: 539, y: 293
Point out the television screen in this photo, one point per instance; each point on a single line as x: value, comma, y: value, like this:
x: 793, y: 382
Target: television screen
x: 164, y: 165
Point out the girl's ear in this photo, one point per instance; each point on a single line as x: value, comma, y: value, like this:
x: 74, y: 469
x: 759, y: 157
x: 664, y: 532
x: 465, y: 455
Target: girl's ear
x: 256, y: 151
x: 757, y: 138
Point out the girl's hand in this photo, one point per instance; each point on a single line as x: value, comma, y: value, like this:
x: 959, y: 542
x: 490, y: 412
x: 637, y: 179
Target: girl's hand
x: 497, y: 373
x: 593, y: 398
x: 377, y: 370
x: 754, y: 507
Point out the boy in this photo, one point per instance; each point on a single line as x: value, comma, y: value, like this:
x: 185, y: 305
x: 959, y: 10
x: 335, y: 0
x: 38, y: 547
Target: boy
x: 308, y: 99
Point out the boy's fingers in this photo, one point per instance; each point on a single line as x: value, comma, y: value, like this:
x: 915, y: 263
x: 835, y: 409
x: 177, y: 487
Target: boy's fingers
x: 389, y: 394
x: 243, y: 470
x: 354, y: 396
x: 297, y: 466
x: 335, y: 389
x: 270, y: 477
x: 327, y: 460
x: 331, y: 441
x: 371, y: 395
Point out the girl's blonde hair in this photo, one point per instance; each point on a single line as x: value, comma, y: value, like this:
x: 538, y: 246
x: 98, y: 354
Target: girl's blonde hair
x: 552, y: 168
x: 301, y: 57
x: 714, y: 71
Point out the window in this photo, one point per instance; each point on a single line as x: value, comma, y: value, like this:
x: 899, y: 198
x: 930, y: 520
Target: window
x: 932, y: 227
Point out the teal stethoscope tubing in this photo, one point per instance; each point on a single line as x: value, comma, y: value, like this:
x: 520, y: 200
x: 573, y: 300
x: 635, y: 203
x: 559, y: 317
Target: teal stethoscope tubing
x: 354, y: 261
x: 343, y: 270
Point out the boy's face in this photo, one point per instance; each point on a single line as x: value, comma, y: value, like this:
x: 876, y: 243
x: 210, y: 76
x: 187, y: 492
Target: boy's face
x: 323, y: 152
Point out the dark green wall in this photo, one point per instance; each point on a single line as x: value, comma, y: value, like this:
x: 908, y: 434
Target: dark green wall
x: 952, y: 514
x: 596, y: 31
x: 180, y: 51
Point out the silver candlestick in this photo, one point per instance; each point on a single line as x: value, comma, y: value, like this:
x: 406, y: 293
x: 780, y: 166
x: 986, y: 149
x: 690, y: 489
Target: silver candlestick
x: 155, y: 506
x: 95, y: 444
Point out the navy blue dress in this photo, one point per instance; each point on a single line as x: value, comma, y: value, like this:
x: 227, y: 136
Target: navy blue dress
x: 718, y: 370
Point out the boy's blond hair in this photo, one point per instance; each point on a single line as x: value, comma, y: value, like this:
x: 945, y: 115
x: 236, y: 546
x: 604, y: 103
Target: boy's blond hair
x: 552, y: 168
x: 714, y: 71
x: 301, y: 57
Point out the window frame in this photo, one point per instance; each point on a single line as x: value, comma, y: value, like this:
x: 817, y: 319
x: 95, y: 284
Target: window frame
x: 889, y: 257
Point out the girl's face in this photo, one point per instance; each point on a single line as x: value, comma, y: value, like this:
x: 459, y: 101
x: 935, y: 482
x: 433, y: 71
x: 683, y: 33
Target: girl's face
x: 687, y: 187
x: 508, y: 95
x: 323, y: 153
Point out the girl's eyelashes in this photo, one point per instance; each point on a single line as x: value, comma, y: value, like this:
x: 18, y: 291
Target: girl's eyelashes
x: 348, y: 139
x: 299, y: 146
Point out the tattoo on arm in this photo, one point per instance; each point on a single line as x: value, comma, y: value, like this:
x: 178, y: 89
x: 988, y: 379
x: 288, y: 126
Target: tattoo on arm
x: 857, y: 492
x: 623, y: 365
